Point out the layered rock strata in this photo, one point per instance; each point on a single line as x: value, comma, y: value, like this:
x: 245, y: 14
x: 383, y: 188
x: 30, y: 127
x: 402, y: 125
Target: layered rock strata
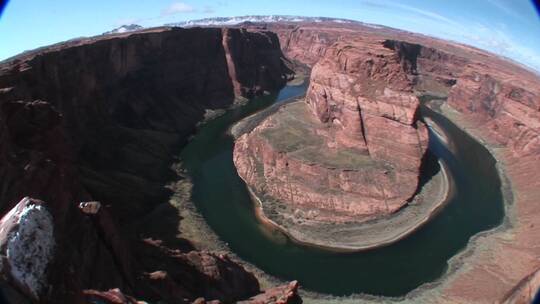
x: 439, y: 63
x: 354, y: 150
x: 497, y: 101
x: 91, y: 126
x: 500, y: 105
x: 98, y: 135
x: 127, y: 101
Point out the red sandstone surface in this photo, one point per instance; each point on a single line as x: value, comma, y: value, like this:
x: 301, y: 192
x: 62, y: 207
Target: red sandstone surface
x: 498, y: 102
x: 100, y: 119
x: 367, y: 163
x: 277, y: 295
x: 502, y: 107
x: 79, y: 123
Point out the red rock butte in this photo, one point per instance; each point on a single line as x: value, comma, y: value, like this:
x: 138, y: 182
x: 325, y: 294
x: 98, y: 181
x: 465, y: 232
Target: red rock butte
x: 353, y: 150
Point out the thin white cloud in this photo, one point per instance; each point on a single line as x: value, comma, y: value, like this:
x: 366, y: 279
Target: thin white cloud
x: 394, y: 7
x: 177, y: 8
x: 166, y: 13
x: 426, y: 13
x: 495, y: 38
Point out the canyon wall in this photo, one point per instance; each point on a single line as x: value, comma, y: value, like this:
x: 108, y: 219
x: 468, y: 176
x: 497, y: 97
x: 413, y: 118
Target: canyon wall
x: 507, y: 105
x: 500, y: 103
x: 306, y: 44
x: 364, y: 109
x: 100, y: 119
x: 496, y: 100
x: 500, y: 93
x: 438, y: 63
x: 127, y: 100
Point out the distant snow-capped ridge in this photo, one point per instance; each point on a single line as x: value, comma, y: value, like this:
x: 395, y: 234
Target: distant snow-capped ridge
x: 255, y: 19
x: 229, y: 21
x: 124, y: 28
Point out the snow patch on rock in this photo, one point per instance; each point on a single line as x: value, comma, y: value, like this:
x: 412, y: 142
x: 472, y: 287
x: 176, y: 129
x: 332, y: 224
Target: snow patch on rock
x: 124, y: 29
x: 30, y: 247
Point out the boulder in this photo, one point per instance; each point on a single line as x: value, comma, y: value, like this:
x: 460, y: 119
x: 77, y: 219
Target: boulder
x: 27, y: 246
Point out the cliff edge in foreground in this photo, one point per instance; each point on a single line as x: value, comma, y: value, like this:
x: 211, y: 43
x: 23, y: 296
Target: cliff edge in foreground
x: 88, y: 131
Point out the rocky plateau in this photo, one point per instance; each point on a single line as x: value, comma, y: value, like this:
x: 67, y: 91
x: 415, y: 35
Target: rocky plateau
x: 359, y: 156
x: 99, y: 121
x: 498, y: 102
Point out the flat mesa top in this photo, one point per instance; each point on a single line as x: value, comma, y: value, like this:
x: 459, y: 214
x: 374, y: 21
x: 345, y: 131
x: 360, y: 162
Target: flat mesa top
x: 295, y: 130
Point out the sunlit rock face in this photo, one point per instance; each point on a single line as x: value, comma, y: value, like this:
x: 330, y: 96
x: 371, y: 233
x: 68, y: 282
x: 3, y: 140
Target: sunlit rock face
x: 508, y: 106
x: 354, y: 149
x: 99, y: 119
x: 497, y: 100
x: 27, y: 245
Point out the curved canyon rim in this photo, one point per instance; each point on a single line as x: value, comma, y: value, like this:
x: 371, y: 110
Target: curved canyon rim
x: 270, y: 159
x: 475, y: 206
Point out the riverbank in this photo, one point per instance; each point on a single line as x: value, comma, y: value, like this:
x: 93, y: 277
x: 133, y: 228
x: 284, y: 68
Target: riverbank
x: 355, y: 235
x: 495, y: 261
x: 192, y: 226
x: 209, y: 153
x: 251, y: 122
x: 487, y: 269
x: 352, y: 236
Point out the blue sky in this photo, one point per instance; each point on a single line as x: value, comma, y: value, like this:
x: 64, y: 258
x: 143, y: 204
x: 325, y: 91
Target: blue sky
x: 507, y: 27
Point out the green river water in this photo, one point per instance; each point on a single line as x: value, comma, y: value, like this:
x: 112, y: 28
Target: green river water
x: 222, y: 198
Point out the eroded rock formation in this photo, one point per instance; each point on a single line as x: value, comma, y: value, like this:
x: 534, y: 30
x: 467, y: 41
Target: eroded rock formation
x: 277, y: 295
x: 98, y: 120
x: 497, y: 101
x: 128, y: 101
x: 360, y: 153
x: 500, y: 103
x: 112, y: 296
x: 507, y: 105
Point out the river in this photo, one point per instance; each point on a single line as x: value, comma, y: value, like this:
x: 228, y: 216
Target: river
x: 223, y: 199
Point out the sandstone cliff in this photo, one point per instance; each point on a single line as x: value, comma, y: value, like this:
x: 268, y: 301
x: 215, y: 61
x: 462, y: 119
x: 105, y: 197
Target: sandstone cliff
x: 360, y: 155
x: 439, y: 63
x: 127, y: 100
x: 99, y: 119
x: 498, y: 101
x: 507, y: 105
